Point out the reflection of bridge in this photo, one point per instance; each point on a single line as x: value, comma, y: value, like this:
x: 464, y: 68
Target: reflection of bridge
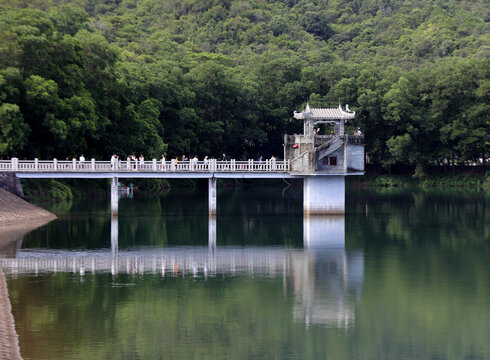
x: 326, y: 280
x: 196, y: 261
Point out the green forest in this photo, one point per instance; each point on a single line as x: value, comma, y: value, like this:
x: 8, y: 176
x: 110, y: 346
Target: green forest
x: 202, y: 77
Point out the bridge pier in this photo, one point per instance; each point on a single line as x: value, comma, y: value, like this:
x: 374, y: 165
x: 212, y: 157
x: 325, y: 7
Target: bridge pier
x: 212, y: 196
x: 324, y: 195
x: 114, y: 197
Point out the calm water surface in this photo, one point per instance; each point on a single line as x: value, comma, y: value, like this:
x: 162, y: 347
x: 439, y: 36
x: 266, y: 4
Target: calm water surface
x: 404, y: 275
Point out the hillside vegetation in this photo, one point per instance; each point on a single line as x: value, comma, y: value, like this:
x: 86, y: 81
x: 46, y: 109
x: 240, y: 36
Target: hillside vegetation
x: 205, y: 76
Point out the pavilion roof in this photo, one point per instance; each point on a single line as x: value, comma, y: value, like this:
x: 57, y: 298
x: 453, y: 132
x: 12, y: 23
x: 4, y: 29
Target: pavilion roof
x: 325, y: 113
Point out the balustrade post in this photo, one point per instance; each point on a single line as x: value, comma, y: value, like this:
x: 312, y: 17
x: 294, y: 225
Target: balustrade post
x: 154, y: 163
x: 251, y: 164
x: 74, y: 164
x: 55, y: 164
x: 13, y: 165
x: 172, y: 164
x: 36, y: 164
x: 233, y: 166
x: 92, y: 162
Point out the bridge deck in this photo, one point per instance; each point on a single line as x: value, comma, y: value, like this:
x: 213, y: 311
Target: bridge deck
x: 154, y: 169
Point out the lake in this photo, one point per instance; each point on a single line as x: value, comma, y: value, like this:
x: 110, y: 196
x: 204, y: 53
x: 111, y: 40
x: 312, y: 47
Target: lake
x: 405, y: 274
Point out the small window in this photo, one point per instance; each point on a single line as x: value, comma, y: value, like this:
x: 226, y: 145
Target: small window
x: 333, y: 161
x: 325, y: 160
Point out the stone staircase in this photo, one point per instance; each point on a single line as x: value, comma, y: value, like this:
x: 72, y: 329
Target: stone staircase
x: 329, y: 147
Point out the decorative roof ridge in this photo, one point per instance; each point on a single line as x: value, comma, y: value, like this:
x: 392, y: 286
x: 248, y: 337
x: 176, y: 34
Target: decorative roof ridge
x: 310, y: 112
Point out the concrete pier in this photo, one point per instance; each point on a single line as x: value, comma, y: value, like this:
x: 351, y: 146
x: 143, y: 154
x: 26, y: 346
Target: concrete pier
x: 114, y: 197
x: 212, y: 196
x: 324, y: 195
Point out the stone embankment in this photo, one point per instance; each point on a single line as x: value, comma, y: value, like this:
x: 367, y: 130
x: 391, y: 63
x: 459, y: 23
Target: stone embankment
x: 18, y: 213
x: 9, y: 345
x: 17, y: 217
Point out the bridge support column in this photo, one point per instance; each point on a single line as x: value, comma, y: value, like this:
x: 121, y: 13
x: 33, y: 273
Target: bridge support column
x: 212, y: 196
x: 324, y: 195
x: 114, y: 197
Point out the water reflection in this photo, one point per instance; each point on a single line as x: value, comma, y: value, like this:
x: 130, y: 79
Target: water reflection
x: 325, y: 279
x: 12, y: 236
x: 212, y: 232
x: 324, y: 232
x: 324, y: 288
x: 114, y: 244
x: 267, y: 281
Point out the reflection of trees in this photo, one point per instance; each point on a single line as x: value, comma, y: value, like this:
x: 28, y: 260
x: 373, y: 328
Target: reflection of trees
x: 449, y: 220
x: 426, y: 277
x: 154, y: 318
x: 425, y: 287
x: 259, y: 217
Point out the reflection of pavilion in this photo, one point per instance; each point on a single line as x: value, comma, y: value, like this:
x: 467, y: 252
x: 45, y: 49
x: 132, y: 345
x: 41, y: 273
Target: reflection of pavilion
x: 326, y: 280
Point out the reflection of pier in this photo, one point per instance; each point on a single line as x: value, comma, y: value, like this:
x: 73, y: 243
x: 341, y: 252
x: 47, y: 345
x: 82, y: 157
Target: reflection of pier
x: 327, y: 287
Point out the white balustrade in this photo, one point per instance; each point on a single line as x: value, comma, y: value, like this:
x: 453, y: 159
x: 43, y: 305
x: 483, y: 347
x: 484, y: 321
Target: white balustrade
x: 211, y: 165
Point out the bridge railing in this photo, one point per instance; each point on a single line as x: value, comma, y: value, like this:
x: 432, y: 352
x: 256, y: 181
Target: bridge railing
x: 212, y: 165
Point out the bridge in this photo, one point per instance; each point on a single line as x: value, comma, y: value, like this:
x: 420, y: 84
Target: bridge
x: 146, y: 169
x: 322, y: 161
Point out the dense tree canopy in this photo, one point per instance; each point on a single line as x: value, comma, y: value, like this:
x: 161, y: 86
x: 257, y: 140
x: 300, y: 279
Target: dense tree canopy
x: 206, y: 76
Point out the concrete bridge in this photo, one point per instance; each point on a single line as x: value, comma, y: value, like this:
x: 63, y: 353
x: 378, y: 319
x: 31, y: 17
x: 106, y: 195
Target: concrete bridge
x: 322, y: 161
x: 324, y: 192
